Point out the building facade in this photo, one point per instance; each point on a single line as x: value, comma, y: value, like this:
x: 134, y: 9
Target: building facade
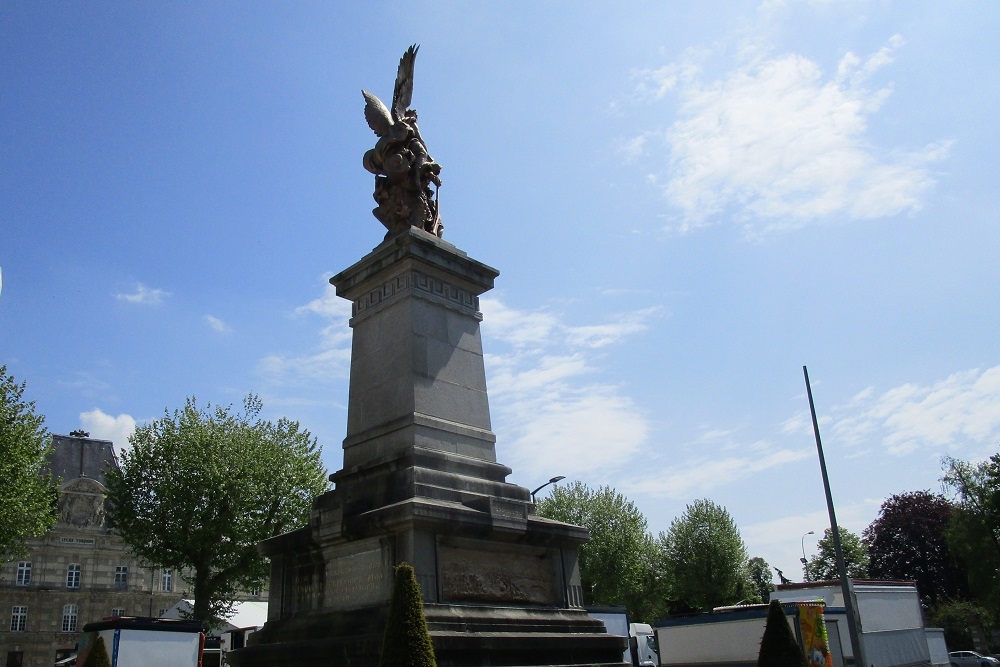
x: 79, y: 571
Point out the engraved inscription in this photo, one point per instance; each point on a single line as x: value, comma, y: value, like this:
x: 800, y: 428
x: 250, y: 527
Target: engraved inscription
x: 357, y: 580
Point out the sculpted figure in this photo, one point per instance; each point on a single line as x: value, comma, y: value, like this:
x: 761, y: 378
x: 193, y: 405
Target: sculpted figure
x: 404, y: 171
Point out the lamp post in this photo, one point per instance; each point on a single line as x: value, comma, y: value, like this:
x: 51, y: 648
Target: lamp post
x: 802, y: 543
x: 551, y: 481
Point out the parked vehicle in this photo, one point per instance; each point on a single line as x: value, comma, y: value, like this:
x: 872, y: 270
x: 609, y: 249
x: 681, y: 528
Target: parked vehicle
x: 642, y: 644
x: 971, y: 659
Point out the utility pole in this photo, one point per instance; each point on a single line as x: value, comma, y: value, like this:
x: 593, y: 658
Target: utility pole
x: 853, y: 626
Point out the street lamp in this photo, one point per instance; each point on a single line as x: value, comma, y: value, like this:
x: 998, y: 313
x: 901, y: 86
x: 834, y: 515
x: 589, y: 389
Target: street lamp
x: 802, y: 542
x: 551, y: 481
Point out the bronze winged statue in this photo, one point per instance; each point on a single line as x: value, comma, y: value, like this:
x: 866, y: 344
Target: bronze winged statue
x: 404, y: 171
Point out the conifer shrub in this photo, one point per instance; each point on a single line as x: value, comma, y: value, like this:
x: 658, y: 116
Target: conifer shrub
x: 98, y: 656
x: 406, y: 642
x: 778, y: 647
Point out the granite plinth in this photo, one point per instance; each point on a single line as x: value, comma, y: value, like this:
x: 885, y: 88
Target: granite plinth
x: 421, y: 484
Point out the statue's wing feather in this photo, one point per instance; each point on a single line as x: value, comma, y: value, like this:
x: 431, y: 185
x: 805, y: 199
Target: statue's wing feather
x: 376, y: 114
x: 403, y: 92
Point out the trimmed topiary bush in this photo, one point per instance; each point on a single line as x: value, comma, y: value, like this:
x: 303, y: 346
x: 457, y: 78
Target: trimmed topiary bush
x: 778, y: 647
x: 98, y: 656
x: 406, y: 642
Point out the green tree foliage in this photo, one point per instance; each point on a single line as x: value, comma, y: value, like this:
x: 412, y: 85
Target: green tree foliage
x: 907, y: 542
x: 406, y: 642
x: 823, y: 566
x: 778, y: 647
x: 27, y: 490
x: 960, y: 619
x: 98, y: 656
x: 615, y: 565
x: 198, y: 489
x: 761, y: 579
x: 704, y: 557
x: 974, y: 533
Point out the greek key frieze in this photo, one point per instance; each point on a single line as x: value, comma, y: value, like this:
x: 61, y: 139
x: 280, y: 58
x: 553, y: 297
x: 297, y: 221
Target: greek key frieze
x: 418, y: 283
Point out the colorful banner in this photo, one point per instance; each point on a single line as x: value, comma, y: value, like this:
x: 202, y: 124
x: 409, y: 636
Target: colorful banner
x: 815, y: 643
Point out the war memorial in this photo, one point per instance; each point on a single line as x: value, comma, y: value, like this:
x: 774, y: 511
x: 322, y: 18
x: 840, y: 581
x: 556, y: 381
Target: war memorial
x: 420, y: 481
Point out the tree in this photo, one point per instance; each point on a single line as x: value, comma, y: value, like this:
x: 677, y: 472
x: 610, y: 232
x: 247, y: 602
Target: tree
x: 704, y: 557
x: 823, y: 566
x: 778, y: 647
x: 907, y: 541
x: 198, y: 489
x: 406, y: 642
x: 974, y: 532
x: 761, y: 578
x: 615, y: 565
x: 98, y: 655
x: 960, y: 619
x: 28, y: 492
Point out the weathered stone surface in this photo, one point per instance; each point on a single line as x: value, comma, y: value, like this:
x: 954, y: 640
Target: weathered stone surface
x: 421, y: 484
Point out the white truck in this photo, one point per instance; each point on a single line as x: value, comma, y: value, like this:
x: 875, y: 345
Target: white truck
x: 145, y: 642
x: 642, y: 645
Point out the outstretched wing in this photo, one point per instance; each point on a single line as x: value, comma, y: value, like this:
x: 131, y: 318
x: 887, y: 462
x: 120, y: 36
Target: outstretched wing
x: 403, y: 92
x: 376, y: 114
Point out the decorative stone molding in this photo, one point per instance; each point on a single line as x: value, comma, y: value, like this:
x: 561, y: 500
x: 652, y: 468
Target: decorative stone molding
x: 418, y: 284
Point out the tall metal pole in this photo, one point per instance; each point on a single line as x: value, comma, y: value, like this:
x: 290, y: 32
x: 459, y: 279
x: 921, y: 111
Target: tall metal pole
x: 853, y: 626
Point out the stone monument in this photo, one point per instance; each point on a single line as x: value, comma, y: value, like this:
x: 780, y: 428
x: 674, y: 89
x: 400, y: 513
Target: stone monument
x: 420, y: 482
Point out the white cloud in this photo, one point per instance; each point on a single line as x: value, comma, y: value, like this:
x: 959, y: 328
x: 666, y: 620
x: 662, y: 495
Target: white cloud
x: 780, y: 144
x: 548, y: 418
x: 961, y: 410
x: 781, y: 541
x: 105, y: 427
x: 332, y: 356
x: 698, y: 476
x: 143, y: 295
x: 216, y: 324
x: 329, y: 305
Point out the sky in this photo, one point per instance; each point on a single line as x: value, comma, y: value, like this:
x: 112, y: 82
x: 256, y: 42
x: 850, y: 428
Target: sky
x: 687, y: 203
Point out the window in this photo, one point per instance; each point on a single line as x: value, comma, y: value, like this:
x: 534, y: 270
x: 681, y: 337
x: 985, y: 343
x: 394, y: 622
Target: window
x: 18, y: 619
x: 121, y: 577
x: 255, y: 592
x: 162, y: 612
x: 15, y: 658
x: 167, y: 581
x: 69, y: 618
x: 23, y: 573
x: 118, y: 611
x: 73, y: 575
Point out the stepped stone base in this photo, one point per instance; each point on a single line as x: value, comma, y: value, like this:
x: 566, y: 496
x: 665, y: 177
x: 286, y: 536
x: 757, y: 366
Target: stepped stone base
x: 421, y: 484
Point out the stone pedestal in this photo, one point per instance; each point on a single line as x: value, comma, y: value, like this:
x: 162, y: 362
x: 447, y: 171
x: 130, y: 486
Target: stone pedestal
x: 421, y: 484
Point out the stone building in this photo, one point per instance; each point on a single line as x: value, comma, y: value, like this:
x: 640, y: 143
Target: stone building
x: 79, y: 571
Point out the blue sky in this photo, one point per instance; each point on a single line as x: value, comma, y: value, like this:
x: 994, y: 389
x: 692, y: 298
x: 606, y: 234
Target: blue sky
x: 687, y: 203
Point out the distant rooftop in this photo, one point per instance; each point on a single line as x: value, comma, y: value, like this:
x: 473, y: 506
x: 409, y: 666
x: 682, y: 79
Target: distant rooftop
x: 74, y: 456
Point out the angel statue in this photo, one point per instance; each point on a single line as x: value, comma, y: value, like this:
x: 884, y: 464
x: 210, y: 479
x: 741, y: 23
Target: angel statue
x: 403, y: 170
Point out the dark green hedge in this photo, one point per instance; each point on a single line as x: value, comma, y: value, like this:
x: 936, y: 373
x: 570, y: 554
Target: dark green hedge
x: 406, y: 642
x: 778, y: 647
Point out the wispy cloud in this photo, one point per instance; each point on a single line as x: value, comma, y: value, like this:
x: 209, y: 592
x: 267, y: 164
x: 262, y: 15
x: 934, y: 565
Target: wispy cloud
x: 217, y: 324
x: 143, y: 295
x: 547, y: 415
x: 960, y: 410
x: 777, y: 143
x: 105, y: 427
x: 330, y: 358
x: 698, y: 476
